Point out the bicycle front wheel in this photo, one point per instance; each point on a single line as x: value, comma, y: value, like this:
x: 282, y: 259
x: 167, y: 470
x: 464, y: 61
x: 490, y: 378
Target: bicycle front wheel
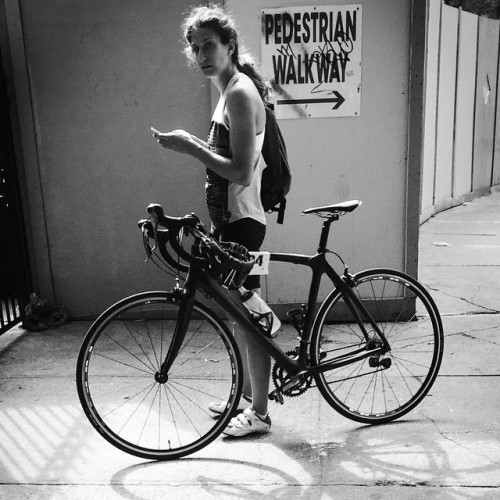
x: 139, y: 412
x: 379, y: 389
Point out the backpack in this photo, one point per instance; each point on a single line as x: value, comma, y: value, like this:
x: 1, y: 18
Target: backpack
x: 276, y: 178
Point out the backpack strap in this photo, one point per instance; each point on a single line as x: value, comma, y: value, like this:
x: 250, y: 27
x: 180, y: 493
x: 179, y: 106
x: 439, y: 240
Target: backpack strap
x: 281, y: 211
x: 271, y: 136
x: 278, y: 173
x: 273, y: 148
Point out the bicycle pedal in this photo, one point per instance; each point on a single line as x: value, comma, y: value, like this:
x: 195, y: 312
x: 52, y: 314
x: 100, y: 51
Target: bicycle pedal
x: 294, y: 313
x: 276, y: 396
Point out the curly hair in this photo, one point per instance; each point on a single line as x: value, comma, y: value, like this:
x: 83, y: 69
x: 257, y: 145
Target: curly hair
x: 212, y: 16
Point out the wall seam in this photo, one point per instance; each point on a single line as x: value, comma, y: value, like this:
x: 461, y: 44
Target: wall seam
x: 416, y: 70
x: 475, y: 109
x: 453, y: 150
x: 37, y: 155
x: 438, y: 79
x: 27, y: 151
x: 496, y: 115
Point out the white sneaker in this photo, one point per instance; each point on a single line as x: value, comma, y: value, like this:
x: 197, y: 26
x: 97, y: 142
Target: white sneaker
x: 247, y: 423
x: 221, y: 406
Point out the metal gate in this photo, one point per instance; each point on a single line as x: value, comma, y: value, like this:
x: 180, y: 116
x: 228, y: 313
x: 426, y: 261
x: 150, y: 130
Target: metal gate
x: 14, y: 268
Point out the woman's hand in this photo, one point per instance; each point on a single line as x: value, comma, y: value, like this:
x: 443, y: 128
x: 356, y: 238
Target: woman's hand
x: 177, y: 140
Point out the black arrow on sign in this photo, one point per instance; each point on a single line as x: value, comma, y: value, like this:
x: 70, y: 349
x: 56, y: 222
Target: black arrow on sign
x: 338, y: 100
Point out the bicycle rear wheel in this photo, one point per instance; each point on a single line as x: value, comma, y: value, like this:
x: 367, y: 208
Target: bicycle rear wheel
x: 119, y: 358
x: 379, y: 389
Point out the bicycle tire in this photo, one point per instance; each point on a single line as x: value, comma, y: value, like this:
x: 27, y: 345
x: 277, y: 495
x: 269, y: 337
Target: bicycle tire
x: 117, y: 363
x: 408, y: 317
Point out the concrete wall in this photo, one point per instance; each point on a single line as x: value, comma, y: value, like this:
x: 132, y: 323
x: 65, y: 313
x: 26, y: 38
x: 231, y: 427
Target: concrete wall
x: 90, y: 78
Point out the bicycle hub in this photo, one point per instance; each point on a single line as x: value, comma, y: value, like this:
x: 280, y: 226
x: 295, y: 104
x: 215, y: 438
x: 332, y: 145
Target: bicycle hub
x: 161, y: 378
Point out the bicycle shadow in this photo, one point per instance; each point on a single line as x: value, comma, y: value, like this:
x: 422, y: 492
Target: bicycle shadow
x: 215, y: 484
x: 284, y: 463
x: 407, y: 452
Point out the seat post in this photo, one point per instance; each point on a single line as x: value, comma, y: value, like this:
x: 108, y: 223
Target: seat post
x: 323, y: 240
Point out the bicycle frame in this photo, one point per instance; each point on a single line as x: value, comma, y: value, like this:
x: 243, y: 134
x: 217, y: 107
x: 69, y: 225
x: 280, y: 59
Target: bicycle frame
x: 197, y: 278
x: 162, y: 412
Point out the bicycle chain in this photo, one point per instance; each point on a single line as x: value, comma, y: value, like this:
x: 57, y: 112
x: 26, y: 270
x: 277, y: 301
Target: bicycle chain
x: 281, y: 378
x: 357, y: 376
x: 354, y: 376
x: 342, y: 348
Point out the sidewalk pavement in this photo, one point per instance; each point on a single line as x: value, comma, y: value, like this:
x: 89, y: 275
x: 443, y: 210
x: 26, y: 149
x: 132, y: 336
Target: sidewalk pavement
x: 448, y: 448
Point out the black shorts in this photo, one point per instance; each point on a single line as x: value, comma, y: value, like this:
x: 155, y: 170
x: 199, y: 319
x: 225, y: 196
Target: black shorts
x: 249, y: 233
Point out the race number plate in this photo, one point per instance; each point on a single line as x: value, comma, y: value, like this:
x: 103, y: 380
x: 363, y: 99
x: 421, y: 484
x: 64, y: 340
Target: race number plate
x: 261, y: 265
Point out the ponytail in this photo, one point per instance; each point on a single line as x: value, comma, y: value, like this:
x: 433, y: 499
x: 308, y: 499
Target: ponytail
x: 246, y: 65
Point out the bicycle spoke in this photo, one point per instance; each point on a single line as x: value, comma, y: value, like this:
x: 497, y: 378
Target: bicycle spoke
x: 128, y: 365
x: 148, y: 389
x: 176, y: 387
x: 194, y: 355
x: 188, y: 341
x: 172, y: 418
x: 150, y: 340
x: 183, y: 411
x: 176, y: 384
x: 402, y: 360
x: 129, y: 352
x: 148, y: 415
x: 108, y: 392
x: 146, y: 355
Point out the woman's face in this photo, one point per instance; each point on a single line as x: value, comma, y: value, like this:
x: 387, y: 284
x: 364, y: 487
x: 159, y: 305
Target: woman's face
x: 212, y: 56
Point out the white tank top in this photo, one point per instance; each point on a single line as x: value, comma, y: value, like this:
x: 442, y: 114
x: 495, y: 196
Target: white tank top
x: 241, y: 201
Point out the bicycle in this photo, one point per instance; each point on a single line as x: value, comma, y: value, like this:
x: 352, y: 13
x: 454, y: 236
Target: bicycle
x: 150, y: 364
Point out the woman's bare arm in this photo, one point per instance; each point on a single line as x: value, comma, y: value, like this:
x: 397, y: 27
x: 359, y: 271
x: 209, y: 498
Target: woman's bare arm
x: 241, y: 110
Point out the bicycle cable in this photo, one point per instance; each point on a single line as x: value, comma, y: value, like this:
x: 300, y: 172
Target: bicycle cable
x: 158, y: 261
x: 346, y: 268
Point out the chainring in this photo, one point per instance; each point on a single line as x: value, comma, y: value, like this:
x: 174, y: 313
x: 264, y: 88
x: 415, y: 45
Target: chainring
x: 281, y: 378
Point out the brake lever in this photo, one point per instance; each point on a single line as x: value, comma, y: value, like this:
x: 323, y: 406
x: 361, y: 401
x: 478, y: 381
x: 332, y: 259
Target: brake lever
x: 144, y: 225
x: 153, y: 218
x: 153, y: 248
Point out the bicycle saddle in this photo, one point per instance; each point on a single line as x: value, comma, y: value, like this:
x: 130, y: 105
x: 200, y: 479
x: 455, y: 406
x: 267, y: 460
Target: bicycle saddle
x: 335, y: 209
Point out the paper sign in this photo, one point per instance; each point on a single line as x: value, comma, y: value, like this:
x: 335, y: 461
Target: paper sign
x: 313, y: 57
x: 261, y: 265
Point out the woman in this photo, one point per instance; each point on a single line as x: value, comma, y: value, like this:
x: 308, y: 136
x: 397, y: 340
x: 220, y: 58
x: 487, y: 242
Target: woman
x: 233, y: 161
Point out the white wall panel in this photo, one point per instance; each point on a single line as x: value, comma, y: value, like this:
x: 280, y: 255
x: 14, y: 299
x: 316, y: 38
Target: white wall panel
x: 487, y: 68
x: 446, y: 104
x: 431, y: 87
x: 464, y: 119
x: 495, y: 178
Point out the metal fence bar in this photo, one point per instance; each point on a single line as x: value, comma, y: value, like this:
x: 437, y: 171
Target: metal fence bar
x: 11, y: 313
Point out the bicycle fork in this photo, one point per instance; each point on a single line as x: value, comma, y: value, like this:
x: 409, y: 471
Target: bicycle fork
x: 186, y: 298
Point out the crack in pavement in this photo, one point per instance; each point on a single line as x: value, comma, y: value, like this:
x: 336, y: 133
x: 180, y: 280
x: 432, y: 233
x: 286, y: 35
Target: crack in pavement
x: 457, y: 444
x: 472, y: 337
x: 467, y: 301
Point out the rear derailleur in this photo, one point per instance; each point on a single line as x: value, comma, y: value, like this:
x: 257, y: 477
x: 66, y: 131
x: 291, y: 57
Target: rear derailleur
x: 378, y: 360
